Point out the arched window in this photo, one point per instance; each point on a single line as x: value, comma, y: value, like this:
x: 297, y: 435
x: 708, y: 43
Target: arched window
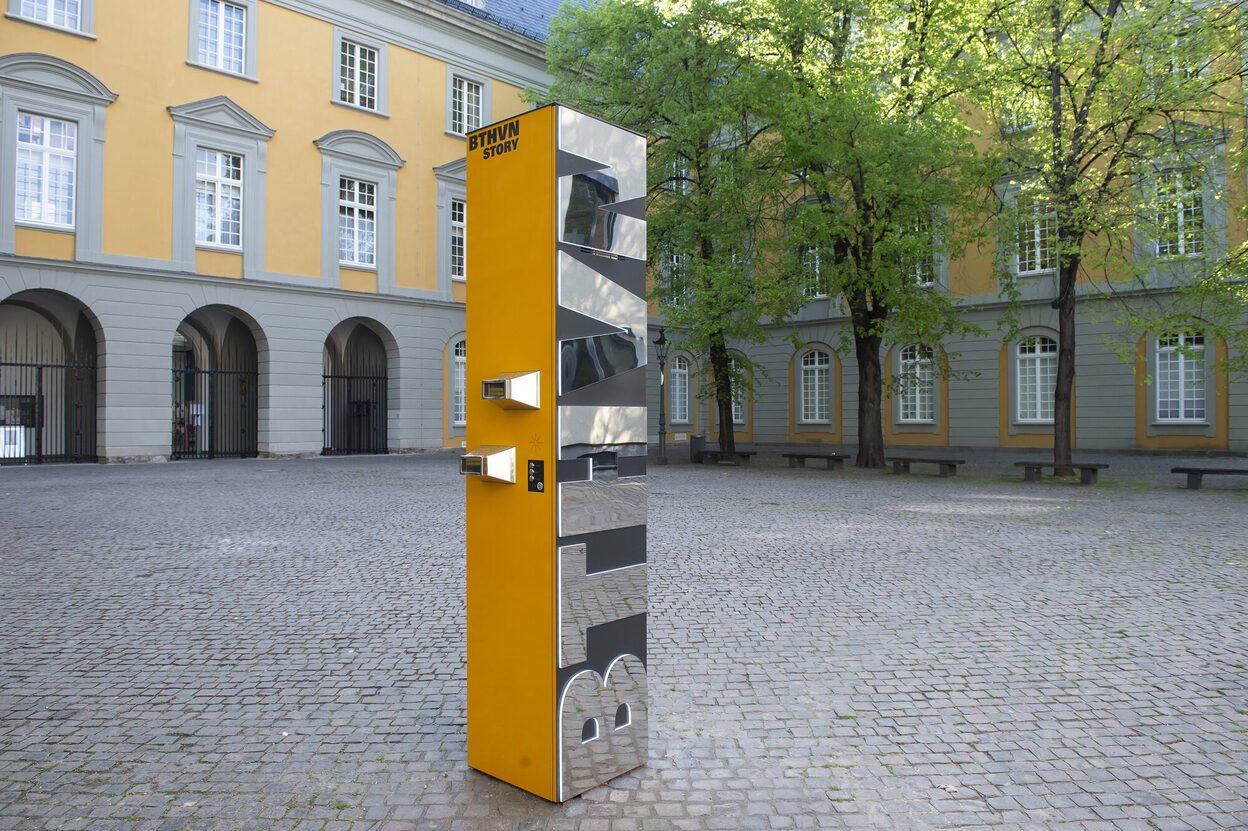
x: 814, y: 383
x: 917, y: 385
x: 1037, y: 373
x: 738, y: 395
x: 459, y: 399
x: 678, y: 392
x: 1181, y: 377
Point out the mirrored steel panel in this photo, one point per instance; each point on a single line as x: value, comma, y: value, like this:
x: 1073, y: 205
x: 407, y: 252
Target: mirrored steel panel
x: 602, y: 425
x: 617, y: 740
x: 587, y: 600
x: 586, y: 291
x: 596, y: 505
x: 585, y: 361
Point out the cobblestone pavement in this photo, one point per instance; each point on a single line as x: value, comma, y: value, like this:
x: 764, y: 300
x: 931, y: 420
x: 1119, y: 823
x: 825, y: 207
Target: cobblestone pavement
x: 270, y: 644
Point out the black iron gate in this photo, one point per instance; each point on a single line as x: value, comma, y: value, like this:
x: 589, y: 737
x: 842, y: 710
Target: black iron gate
x: 354, y: 414
x: 47, y: 413
x: 214, y: 413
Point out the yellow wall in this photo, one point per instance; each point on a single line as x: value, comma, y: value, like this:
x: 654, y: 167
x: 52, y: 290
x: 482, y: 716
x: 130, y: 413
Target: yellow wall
x: 51, y: 245
x: 294, y: 68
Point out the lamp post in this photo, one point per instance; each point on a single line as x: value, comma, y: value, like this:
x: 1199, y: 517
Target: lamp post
x: 660, y: 349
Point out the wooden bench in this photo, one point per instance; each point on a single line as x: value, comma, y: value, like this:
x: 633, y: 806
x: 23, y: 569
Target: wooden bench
x: 834, y: 461
x: 901, y: 464
x: 710, y: 457
x: 1087, y: 470
x: 1195, y: 474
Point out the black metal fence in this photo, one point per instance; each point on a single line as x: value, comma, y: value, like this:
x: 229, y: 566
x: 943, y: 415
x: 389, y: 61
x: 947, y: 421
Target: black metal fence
x: 47, y: 413
x: 354, y: 414
x: 215, y: 413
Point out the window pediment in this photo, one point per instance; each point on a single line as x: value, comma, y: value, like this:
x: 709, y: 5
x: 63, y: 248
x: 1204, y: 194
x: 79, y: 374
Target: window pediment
x: 47, y: 74
x: 360, y: 147
x: 220, y: 113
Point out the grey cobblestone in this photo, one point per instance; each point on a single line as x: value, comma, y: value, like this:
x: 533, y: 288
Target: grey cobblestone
x: 268, y: 644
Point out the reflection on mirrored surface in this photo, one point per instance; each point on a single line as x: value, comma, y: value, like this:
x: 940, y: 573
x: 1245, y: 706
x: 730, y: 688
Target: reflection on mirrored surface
x: 586, y: 361
x: 588, y: 292
x: 586, y: 136
x: 619, y: 706
x: 583, y: 222
x: 585, y: 507
x: 587, y: 600
x: 599, y: 426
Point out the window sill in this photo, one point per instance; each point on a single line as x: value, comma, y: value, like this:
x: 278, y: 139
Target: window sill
x: 459, y: 279
x: 42, y: 226
x: 251, y: 79
x: 357, y: 108
x: 827, y: 422
x: 1180, y: 422
x: 65, y: 30
x: 916, y: 422
x: 454, y: 134
x: 1042, y: 272
x: 213, y: 246
x: 459, y: 424
x: 370, y: 269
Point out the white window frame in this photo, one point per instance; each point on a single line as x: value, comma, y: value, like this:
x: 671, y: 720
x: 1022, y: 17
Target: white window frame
x: 812, y: 263
x: 678, y: 390
x: 1032, y: 366
x: 219, y: 124
x: 28, y: 11
x: 1185, y: 387
x: 247, y: 71
x: 381, y: 74
x: 1180, y: 204
x: 916, y: 385
x: 351, y: 154
x: 357, y: 223
x: 46, y: 153
x: 458, y: 239
x: 454, y: 74
x: 54, y: 88
x: 1037, y: 222
x: 459, y: 383
x: 221, y: 186
x: 923, y: 270
x: 815, y: 387
x: 739, y: 393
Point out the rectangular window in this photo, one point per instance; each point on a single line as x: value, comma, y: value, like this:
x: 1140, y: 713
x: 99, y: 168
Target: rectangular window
x: 920, y: 266
x: 738, y: 395
x: 465, y: 105
x: 1037, y: 236
x: 1181, y: 378
x: 357, y: 75
x: 815, y: 383
x: 917, y: 387
x: 815, y: 288
x: 1180, y: 214
x: 222, y: 35
x: 459, y: 402
x: 1037, y: 374
x: 47, y: 151
x: 218, y: 198
x: 357, y: 222
x: 64, y: 13
x: 459, y: 236
x: 679, y: 394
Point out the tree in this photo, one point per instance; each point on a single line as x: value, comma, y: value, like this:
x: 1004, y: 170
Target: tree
x: 871, y: 111
x: 1099, y: 103
x: 677, y: 74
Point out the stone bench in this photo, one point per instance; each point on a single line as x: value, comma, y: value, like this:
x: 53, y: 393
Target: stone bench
x: 1087, y: 470
x: 738, y: 457
x: 1195, y: 474
x: 834, y: 461
x: 948, y: 467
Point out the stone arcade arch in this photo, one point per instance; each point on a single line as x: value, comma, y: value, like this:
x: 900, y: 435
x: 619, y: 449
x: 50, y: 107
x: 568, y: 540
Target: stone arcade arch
x: 216, y: 385
x: 49, y: 345
x: 356, y: 380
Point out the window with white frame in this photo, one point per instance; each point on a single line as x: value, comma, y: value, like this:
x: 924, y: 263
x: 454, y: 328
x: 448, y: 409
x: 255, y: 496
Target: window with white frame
x: 815, y: 383
x: 459, y: 392
x: 1181, y: 377
x: 218, y: 198
x: 222, y: 36
x: 677, y: 177
x: 812, y: 265
x: 1037, y: 236
x: 1180, y: 214
x: 919, y: 265
x: 917, y: 382
x: 738, y: 393
x: 357, y: 222
x: 357, y: 74
x: 1035, y: 374
x: 47, y: 152
x: 67, y: 14
x: 679, y: 390
x: 466, y: 105
x: 459, y: 237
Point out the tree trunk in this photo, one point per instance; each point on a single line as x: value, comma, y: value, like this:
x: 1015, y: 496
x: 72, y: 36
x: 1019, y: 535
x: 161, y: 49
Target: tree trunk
x: 870, y: 401
x: 1063, y: 390
x: 721, y: 378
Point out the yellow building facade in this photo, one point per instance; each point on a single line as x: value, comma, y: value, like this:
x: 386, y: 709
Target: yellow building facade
x: 238, y: 227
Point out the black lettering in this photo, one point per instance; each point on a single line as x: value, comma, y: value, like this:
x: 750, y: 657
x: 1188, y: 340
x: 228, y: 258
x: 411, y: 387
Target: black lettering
x: 513, y: 129
x: 472, y: 141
